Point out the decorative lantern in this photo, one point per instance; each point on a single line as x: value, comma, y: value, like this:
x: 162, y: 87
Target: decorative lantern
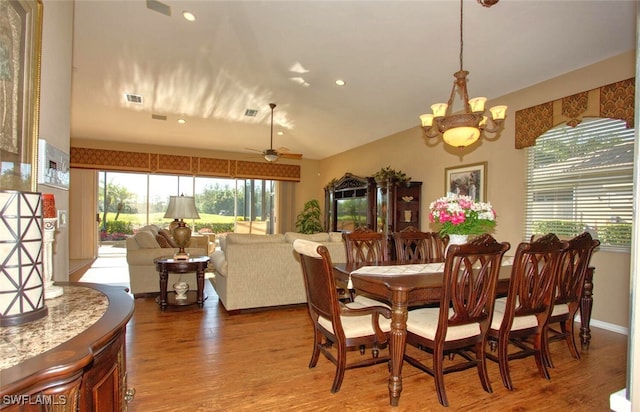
x: 21, y: 258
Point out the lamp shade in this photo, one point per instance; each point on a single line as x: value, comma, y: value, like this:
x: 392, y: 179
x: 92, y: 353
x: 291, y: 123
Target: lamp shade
x: 182, y: 207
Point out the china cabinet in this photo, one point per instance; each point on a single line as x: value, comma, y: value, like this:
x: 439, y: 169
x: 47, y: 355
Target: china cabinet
x: 350, y: 202
x: 397, y: 207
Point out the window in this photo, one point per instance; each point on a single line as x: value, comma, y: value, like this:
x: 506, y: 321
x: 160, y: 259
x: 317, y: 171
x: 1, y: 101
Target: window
x: 128, y: 201
x: 581, y: 179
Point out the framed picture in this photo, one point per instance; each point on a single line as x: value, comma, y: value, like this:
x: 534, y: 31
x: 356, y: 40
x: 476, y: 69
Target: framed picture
x: 469, y: 180
x: 53, y: 166
x: 20, y: 50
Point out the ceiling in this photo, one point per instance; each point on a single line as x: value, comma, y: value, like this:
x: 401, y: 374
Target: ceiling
x: 397, y: 58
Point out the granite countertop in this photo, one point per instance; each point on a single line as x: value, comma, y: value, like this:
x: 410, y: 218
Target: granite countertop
x: 70, y: 314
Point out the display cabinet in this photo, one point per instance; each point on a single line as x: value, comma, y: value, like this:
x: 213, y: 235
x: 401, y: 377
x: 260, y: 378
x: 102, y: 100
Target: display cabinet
x: 397, y: 207
x: 350, y: 202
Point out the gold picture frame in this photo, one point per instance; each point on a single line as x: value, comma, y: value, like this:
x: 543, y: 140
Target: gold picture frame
x: 20, y: 54
x: 470, y: 180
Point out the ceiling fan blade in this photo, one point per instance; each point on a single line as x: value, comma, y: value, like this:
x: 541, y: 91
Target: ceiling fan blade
x: 291, y: 155
x: 254, y: 150
x: 286, y: 153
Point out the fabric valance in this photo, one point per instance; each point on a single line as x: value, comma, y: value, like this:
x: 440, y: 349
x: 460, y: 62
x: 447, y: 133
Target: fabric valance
x: 86, y: 158
x: 615, y: 100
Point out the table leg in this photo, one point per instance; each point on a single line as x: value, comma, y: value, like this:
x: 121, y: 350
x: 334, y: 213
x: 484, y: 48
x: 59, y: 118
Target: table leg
x: 200, y: 281
x: 164, y: 276
x: 398, y: 340
x: 586, y: 303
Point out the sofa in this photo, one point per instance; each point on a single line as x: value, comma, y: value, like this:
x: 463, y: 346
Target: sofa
x: 257, y: 271
x: 145, y: 246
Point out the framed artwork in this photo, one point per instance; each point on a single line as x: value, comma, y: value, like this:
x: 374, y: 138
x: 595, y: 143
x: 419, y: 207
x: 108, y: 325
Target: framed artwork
x: 53, y: 166
x: 469, y: 180
x: 20, y: 51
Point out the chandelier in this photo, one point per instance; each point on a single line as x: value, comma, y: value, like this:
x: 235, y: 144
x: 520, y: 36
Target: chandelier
x: 464, y: 128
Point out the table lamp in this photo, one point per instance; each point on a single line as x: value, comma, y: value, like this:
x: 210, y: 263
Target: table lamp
x: 182, y: 207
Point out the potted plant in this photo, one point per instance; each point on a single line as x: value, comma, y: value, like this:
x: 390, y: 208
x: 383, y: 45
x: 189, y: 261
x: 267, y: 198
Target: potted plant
x: 308, y: 221
x: 386, y: 174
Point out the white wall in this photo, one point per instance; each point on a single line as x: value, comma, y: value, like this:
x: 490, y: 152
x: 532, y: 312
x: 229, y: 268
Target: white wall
x: 55, y: 107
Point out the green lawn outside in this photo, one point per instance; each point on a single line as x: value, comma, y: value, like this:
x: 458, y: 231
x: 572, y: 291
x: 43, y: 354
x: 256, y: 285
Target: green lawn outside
x: 139, y: 220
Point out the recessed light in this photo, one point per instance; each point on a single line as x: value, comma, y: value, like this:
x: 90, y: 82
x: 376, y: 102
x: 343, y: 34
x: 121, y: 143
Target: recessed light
x: 188, y: 16
x: 340, y: 82
x: 182, y: 121
x: 280, y: 133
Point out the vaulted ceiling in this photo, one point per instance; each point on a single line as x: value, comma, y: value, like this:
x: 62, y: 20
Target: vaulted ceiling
x: 396, y: 57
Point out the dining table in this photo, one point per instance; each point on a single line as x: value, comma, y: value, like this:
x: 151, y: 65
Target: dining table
x: 403, y: 286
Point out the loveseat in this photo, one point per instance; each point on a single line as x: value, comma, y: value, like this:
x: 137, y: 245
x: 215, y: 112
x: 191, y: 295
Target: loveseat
x: 256, y: 271
x: 145, y: 246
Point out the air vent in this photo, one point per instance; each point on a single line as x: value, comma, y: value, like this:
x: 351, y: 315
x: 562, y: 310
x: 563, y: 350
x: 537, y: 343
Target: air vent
x: 158, y: 117
x: 251, y: 112
x: 159, y: 7
x: 133, y: 98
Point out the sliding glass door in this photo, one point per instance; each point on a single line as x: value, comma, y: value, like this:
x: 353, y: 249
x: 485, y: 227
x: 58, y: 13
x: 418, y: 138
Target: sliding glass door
x: 129, y: 201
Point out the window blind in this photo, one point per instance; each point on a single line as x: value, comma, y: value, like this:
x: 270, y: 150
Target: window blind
x: 581, y: 179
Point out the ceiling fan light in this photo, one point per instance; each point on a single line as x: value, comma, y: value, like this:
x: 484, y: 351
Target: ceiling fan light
x: 461, y: 136
x: 270, y: 157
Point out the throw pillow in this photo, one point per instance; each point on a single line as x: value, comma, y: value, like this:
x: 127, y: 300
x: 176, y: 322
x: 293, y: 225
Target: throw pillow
x: 162, y: 241
x: 150, y: 228
x: 146, y: 240
x: 168, y: 238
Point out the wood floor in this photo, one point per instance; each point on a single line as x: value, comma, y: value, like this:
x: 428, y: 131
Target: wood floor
x: 190, y: 359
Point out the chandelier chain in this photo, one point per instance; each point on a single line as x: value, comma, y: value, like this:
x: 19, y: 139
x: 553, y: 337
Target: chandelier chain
x: 461, y: 38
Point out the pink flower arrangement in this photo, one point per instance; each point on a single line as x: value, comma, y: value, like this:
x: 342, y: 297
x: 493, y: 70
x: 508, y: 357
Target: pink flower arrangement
x: 460, y: 215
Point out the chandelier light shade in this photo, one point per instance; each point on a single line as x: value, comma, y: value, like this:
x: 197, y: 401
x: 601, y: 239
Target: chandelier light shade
x: 463, y: 128
x: 180, y: 208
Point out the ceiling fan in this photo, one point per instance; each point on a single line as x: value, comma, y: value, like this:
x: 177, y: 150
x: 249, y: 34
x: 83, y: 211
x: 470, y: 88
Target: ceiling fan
x: 271, y: 154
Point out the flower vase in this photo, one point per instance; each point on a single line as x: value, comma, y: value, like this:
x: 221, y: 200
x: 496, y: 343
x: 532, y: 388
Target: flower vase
x: 456, y: 240
x: 181, y: 289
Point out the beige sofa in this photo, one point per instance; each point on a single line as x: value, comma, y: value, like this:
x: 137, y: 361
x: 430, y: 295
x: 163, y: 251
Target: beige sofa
x: 143, y: 248
x: 255, y: 271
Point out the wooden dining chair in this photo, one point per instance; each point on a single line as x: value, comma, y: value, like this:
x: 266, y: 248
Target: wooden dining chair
x: 459, y: 325
x: 521, y: 317
x: 338, y: 327
x: 438, y: 246
x: 414, y: 246
x: 365, y: 245
x: 569, y: 284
